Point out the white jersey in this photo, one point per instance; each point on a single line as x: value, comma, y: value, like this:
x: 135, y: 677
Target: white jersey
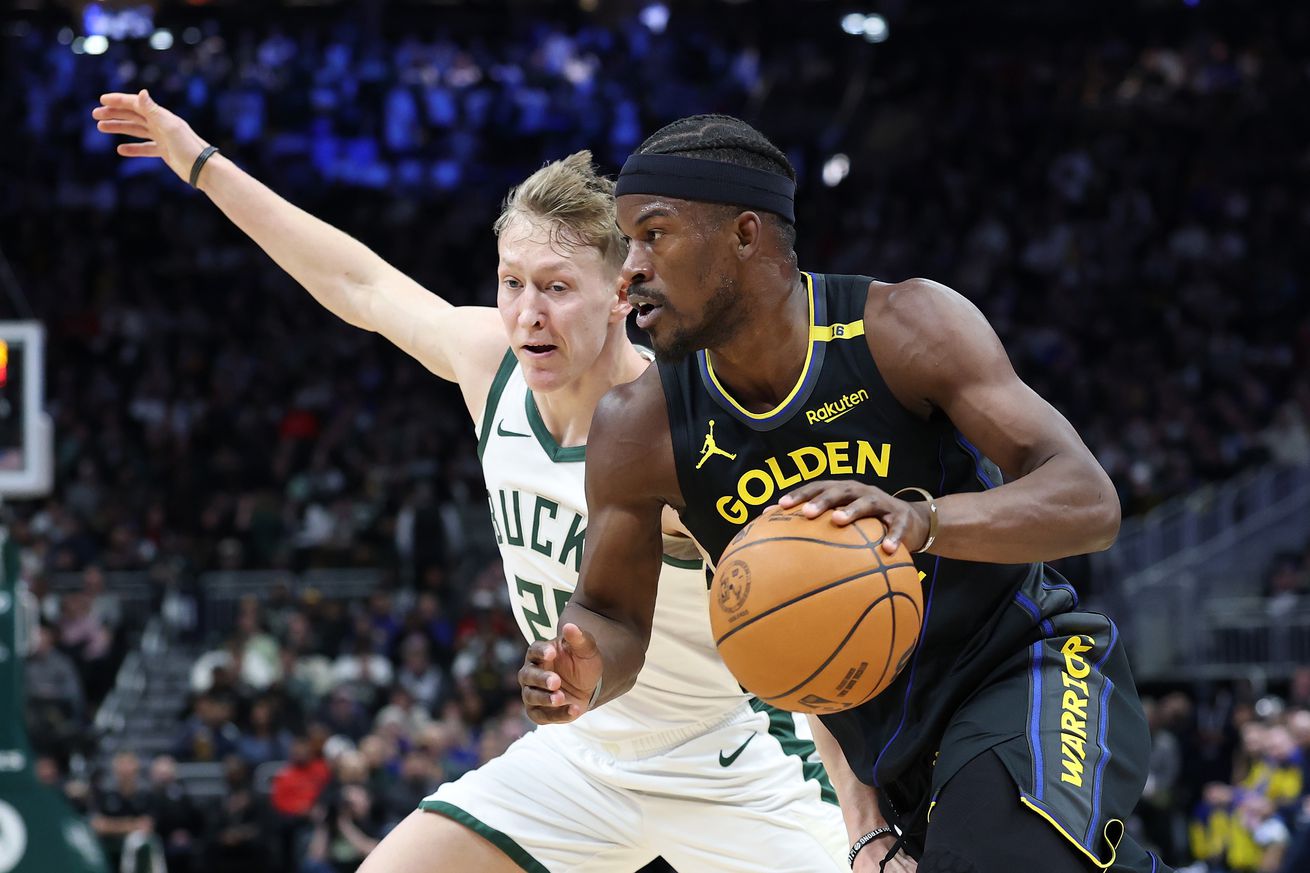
x: 538, y: 505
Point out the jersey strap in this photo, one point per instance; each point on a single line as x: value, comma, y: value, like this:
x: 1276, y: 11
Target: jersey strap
x: 507, y: 365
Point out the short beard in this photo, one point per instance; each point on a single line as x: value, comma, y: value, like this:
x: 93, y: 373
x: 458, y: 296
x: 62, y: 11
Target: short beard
x: 719, y: 323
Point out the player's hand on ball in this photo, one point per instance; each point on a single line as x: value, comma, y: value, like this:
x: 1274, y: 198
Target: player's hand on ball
x: 165, y: 135
x: 558, y: 676
x: 851, y: 500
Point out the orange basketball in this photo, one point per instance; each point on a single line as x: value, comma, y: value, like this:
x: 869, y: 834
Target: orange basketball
x: 812, y: 617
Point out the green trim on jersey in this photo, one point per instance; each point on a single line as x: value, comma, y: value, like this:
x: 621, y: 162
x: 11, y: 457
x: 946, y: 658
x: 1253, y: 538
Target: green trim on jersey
x: 513, y: 850
x: 782, y: 727
x: 507, y: 365
x: 684, y: 563
x: 557, y: 453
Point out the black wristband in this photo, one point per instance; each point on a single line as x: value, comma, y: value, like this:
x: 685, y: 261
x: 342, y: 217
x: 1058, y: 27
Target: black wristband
x: 865, y: 840
x: 205, y: 154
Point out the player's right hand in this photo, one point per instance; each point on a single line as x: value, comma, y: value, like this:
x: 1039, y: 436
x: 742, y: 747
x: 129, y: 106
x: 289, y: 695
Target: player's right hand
x: 851, y: 499
x: 558, y: 676
x: 871, y: 862
x: 165, y: 135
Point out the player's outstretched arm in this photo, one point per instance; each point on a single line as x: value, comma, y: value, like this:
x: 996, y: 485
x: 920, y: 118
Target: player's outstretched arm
x: 606, y: 626
x: 937, y: 352
x: 342, y: 273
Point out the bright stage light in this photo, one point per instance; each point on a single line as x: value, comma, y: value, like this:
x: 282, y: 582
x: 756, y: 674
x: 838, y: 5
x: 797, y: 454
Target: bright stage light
x: 835, y: 169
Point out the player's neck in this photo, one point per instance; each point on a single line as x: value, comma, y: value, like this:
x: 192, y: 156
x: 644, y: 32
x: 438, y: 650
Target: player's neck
x: 567, y: 413
x: 760, y: 365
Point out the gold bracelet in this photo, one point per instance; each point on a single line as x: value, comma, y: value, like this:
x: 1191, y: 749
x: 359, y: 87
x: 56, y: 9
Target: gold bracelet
x: 932, y: 515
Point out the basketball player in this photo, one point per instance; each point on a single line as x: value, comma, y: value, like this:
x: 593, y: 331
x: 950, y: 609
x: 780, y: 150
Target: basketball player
x: 687, y: 758
x: 1014, y: 739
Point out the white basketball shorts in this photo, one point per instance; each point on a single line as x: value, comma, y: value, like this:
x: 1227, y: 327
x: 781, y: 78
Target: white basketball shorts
x: 743, y: 795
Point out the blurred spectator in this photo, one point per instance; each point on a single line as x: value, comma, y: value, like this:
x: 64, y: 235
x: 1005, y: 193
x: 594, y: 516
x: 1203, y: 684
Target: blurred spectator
x: 487, y: 654
x: 256, y: 649
x: 344, y: 715
x: 420, y: 775
x: 381, y: 613
x: 1247, y: 826
x: 1158, y: 808
x: 234, y: 839
x: 424, y: 681
x: 450, y: 745
x: 208, y: 734
x: 1288, y: 581
x: 105, y: 605
x: 362, y: 669
x: 1268, y: 834
x: 55, y: 702
x: 1288, y: 438
x: 429, y: 620
x: 297, y: 786
x: 264, y: 740
x: 1298, y: 726
x: 307, y: 674
x: 1298, y: 853
x: 296, y: 789
x: 403, y: 712
x: 344, y: 833
x: 177, y: 819
x: 278, y: 608
x: 1299, y: 697
x: 351, y: 767
x: 122, y: 813
x: 88, y: 640
x: 299, y: 637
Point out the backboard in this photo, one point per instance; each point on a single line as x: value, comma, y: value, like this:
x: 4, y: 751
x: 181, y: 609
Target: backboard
x: 26, y: 435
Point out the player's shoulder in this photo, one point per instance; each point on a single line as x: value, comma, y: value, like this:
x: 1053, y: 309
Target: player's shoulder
x: 630, y: 439
x: 920, y: 332
x: 480, y: 360
x: 481, y: 333
x: 917, y: 308
x: 907, y: 299
x: 631, y: 404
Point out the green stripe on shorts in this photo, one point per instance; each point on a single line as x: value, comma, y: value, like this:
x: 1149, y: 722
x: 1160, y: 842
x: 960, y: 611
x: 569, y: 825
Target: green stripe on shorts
x: 684, y: 563
x: 516, y: 853
x: 782, y: 727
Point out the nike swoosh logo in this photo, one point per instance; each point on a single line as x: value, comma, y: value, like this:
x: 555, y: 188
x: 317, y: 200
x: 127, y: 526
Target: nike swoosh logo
x: 500, y: 431
x: 726, y: 760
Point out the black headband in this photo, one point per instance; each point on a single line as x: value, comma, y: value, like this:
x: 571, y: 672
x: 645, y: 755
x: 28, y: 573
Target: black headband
x: 709, y: 182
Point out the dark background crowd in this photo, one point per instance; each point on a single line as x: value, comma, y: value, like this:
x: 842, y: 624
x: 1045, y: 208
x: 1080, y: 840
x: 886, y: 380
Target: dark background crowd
x: 1121, y: 189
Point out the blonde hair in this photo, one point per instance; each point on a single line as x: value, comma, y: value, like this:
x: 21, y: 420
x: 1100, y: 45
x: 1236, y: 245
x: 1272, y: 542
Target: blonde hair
x: 576, y: 204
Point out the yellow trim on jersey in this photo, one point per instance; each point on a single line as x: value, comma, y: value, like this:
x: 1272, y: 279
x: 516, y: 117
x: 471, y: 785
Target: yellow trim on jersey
x: 800, y: 380
x: 826, y: 333
x: 1095, y: 860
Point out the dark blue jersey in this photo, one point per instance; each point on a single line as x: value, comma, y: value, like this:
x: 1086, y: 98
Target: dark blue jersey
x: 841, y: 421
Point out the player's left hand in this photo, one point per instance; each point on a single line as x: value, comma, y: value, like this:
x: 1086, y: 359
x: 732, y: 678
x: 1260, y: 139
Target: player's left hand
x: 558, y: 676
x: 850, y: 500
x: 163, y: 134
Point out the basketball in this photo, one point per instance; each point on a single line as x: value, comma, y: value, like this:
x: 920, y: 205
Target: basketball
x: 811, y: 617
